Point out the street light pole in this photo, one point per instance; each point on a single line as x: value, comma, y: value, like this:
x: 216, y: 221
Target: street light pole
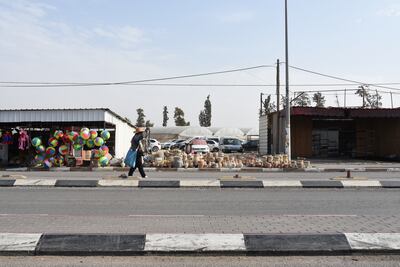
x: 287, y: 128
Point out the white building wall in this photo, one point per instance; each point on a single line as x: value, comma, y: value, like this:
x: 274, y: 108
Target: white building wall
x: 123, y: 134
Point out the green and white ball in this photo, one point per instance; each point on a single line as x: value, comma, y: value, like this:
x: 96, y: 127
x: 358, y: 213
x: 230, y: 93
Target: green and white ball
x: 103, y: 161
x: 105, y: 135
x: 36, y: 142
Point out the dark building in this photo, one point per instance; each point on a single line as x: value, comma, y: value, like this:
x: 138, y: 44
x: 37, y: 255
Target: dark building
x: 340, y: 132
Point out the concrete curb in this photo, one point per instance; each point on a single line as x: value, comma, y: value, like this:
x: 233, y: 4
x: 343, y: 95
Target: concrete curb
x: 245, y: 169
x: 209, y: 243
x: 201, y: 183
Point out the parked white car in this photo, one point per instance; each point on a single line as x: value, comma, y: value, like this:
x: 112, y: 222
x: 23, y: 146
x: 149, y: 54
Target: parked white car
x: 154, y: 145
x: 199, y: 146
x: 214, y: 146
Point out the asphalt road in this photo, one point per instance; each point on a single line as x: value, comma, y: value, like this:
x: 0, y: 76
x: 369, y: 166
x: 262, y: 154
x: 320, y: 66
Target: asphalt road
x: 347, y: 261
x: 209, y: 175
x: 112, y: 210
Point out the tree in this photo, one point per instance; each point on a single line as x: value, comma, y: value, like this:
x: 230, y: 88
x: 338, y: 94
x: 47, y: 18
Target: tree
x: 140, y: 122
x: 149, y: 124
x: 165, y: 117
x: 302, y: 100
x: 202, y: 118
x: 363, y: 92
x: 205, y: 115
x: 268, y: 106
x: 369, y: 101
x: 179, y: 117
x: 319, y: 100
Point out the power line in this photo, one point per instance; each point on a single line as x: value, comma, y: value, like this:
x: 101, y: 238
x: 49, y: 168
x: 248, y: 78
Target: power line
x: 343, y: 79
x: 57, y: 84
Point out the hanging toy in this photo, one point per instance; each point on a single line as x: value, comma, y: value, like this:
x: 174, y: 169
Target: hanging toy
x: 93, y: 134
x: 36, y: 142
x: 63, y: 150
x: 105, y: 135
x: 58, y: 134
x: 50, y: 151
x: 73, y: 136
x: 53, y: 142
x: 103, y: 161
x: 98, y: 141
x: 104, y: 150
x: 90, y: 143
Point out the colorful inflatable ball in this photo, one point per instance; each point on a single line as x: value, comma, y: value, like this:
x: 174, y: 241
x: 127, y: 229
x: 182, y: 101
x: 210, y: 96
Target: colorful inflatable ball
x: 96, y: 153
x: 105, y: 135
x: 90, y: 143
x: 58, y: 161
x: 63, y: 150
x: 99, y: 141
x: 53, y: 142
x: 103, y: 161
x: 36, y: 142
x: 85, y: 133
x: 39, y: 158
x: 104, y: 150
x: 50, y: 151
x: 80, y: 141
x: 93, y: 134
x: 58, y: 134
x: 73, y: 136
x: 77, y: 146
x: 40, y: 149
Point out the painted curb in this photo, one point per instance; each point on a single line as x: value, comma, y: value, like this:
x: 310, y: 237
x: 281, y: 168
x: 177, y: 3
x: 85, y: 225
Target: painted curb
x: 214, y: 243
x: 202, y: 183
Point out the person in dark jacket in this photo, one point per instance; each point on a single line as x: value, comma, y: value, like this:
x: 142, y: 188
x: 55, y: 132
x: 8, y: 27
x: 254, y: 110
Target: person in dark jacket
x: 136, y: 144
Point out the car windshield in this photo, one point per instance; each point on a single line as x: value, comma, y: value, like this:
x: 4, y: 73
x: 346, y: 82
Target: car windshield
x: 198, y: 142
x: 231, y: 142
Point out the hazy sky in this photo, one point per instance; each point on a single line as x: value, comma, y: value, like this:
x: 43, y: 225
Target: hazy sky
x: 116, y: 40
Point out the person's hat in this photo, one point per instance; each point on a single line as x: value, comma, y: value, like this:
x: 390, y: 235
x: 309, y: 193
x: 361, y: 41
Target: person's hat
x: 140, y: 129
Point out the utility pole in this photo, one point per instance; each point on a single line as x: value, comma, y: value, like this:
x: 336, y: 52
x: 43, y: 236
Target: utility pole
x: 345, y: 96
x: 261, y: 104
x: 391, y: 98
x: 278, y: 96
x: 287, y: 130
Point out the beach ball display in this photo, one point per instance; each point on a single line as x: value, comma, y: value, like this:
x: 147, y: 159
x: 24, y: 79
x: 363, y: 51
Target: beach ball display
x: 103, y: 161
x: 105, y: 135
x: 104, y: 150
x: 48, y: 163
x: 58, y: 134
x: 77, y: 146
x: 98, y: 141
x: 40, y: 149
x: 50, y: 151
x: 73, y: 136
x: 90, y: 143
x: 85, y: 133
x: 36, y: 142
x: 93, y: 134
x: 53, y: 142
x: 63, y: 150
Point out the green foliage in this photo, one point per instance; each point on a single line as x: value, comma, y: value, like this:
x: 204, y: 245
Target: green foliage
x: 205, y: 115
x: 319, y: 100
x: 179, y: 117
x: 140, y: 122
x: 165, y: 116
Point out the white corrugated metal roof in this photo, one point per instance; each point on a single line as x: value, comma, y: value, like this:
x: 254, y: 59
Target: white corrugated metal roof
x: 57, y: 115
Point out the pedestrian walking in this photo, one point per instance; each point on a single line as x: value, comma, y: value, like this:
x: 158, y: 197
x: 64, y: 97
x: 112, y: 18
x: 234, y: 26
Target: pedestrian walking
x: 137, y: 145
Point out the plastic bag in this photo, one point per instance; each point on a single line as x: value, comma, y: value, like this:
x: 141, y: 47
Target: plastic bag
x: 130, y: 159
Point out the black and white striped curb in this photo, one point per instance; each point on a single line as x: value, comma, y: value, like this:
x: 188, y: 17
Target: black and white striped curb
x: 141, y: 244
x: 244, y: 170
x: 200, y: 183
